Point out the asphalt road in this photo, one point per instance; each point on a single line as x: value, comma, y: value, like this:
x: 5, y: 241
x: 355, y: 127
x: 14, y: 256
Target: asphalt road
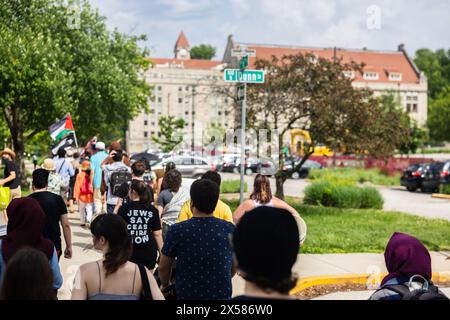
x: 395, y: 199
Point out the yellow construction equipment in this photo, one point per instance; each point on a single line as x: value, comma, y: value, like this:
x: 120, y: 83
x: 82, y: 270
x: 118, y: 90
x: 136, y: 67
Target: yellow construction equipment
x: 300, y: 139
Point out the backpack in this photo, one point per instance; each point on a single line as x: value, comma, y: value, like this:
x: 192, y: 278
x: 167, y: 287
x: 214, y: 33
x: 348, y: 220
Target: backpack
x: 408, y: 291
x: 55, y: 182
x: 86, y: 186
x: 119, y: 177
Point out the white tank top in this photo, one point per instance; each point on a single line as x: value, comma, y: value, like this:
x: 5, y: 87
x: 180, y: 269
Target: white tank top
x: 258, y: 204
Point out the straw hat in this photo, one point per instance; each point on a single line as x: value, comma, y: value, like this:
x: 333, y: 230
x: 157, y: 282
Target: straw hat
x: 48, y: 165
x: 8, y: 151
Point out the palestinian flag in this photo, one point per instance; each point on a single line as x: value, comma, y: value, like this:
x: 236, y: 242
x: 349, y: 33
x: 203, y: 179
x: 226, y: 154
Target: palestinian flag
x: 61, y: 128
x: 67, y: 142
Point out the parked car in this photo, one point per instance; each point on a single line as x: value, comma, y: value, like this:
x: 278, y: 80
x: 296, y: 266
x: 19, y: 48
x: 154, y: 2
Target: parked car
x: 303, y: 172
x: 413, y: 176
x: 445, y: 174
x: 432, y: 177
x: 264, y: 166
x: 190, y: 167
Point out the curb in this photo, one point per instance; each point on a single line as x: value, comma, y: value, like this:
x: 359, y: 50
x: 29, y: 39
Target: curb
x: 440, y: 196
x: 370, y: 279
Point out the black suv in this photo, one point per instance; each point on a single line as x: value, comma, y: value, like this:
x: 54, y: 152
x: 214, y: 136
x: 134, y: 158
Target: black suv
x: 413, y: 176
x: 433, y: 176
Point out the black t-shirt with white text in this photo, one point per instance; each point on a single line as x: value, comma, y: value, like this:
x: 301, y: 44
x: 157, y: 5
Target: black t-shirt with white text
x: 54, y: 207
x: 10, y: 166
x: 141, y: 222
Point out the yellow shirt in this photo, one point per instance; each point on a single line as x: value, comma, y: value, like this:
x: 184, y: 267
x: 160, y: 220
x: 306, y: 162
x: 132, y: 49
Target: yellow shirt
x: 222, y: 211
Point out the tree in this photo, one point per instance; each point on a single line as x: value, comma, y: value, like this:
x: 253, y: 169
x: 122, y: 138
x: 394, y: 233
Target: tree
x: 436, y: 66
x: 49, y: 68
x: 203, y: 52
x: 315, y: 95
x: 171, y: 135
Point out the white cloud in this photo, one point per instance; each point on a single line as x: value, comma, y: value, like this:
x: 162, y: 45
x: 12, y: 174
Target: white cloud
x: 183, y: 7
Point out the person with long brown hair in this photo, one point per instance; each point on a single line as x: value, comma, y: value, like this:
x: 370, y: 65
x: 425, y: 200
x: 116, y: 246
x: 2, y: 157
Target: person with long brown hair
x: 28, y: 276
x: 262, y: 196
x: 114, y: 277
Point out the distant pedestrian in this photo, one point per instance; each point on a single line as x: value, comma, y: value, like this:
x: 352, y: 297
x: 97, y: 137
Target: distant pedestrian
x: 114, y: 277
x: 76, y: 166
x: 55, y: 213
x: 96, y: 162
x: 11, y: 176
x: 143, y: 224
x: 222, y: 210
x: 115, y: 174
x: 202, y: 249
x: 262, y: 196
x: 266, y: 244
x: 26, y: 222
x: 409, y: 265
x: 28, y: 276
x: 65, y: 170
x: 84, y: 193
x: 55, y: 180
x: 35, y: 161
x: 171, y: 199
x: 160, y: 183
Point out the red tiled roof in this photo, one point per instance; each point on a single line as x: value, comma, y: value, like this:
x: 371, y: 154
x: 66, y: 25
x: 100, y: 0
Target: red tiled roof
x: 378, y: 61
x: 187, y: 64
x: 182, y: 41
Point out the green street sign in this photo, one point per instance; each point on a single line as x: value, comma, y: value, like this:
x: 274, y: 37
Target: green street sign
x: 247, y: 76
x: 244, y: 63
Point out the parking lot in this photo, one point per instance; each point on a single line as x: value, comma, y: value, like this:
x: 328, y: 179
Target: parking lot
x: 395, y: 198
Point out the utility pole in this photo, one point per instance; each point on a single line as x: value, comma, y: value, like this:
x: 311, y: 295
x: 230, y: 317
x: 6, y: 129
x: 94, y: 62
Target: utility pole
x: 193, y: 119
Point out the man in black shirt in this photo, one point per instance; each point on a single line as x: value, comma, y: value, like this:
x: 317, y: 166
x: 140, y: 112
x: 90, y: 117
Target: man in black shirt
x: 56, y: 212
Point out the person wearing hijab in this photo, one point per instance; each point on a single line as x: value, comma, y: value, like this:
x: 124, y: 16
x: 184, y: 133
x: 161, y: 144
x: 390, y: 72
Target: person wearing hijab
x: 408, y: 262
x: 25, y: 225
x: 266, y: 243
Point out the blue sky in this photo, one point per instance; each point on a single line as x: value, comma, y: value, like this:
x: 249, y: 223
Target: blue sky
x: 342, y: 23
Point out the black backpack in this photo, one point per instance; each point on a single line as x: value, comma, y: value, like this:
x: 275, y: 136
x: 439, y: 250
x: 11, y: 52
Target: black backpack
x: 118, y: 178
x: 406, y: 291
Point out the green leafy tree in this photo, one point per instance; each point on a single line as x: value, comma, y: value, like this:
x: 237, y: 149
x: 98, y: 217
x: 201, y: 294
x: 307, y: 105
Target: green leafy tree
x: 314, y: 95
x: 203, y: 52
x: 436, y: 66
x: 49, y: 66
x: 171, y: 135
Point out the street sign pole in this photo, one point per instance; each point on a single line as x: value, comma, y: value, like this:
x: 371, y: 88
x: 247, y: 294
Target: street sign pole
x: 243, y: 119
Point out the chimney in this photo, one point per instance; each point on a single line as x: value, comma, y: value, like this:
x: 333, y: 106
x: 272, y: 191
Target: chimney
x: 401, y: 47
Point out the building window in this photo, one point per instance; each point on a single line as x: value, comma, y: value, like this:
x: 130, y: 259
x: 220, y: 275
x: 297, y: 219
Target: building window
x: 153, y: 123
x: 219, y: 113
x: 414, y: 107
x: 180, y: 89
x: 408, y: 108
x: 145, y: 122
x: 186, y: 112
x: 180, y: 100
x: 159, y: 99
x: 145, y: 134
x: 159, y: 134
x: 159, y: 88
x: 349, y: 74
x: 187, y: 88
x: 226, y: 113
x: 395, y: 76
x: 370, y: 75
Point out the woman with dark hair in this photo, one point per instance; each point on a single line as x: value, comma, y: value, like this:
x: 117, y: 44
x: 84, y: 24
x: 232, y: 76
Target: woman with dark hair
x: 161, y: 185
x: 28, y: 276
x: 114, y: 277
x: 409, y: 265
x: 264, y: 255
x: 25, y: 225
x: 143, y: 224
x: 262, y: 196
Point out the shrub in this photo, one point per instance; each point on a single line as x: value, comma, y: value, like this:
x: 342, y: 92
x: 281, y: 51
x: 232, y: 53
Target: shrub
x: 232, y: 186
x: 444, y: 189
x: 330, y: 194
x: 374, y: 176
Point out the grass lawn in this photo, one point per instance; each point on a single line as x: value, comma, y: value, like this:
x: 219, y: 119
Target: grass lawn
x: 332, y: 230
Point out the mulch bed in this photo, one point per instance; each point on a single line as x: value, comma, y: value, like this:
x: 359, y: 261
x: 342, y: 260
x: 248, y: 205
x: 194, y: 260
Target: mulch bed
x: 322, y: 290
